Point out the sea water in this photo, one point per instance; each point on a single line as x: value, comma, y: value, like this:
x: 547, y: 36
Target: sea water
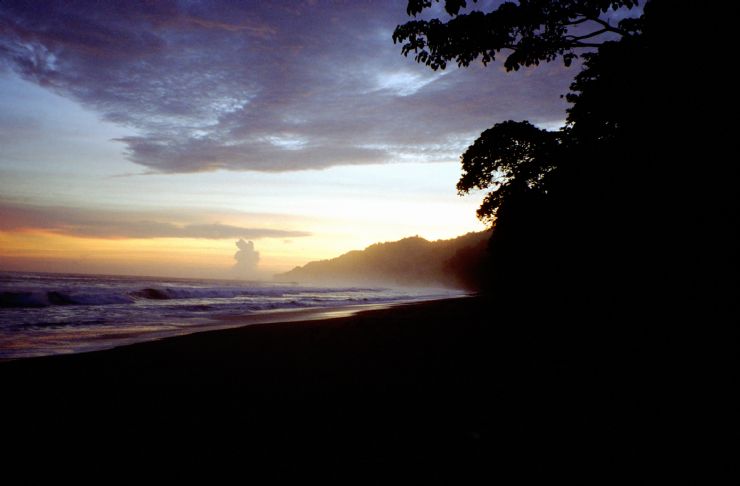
x: 45, y: 314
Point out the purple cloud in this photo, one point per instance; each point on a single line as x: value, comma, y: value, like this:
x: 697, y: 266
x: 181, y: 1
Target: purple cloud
x: 266, y: 86
x: 89, y: 223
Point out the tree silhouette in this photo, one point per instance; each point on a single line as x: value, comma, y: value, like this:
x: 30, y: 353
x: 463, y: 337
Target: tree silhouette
x: 511, y: 157
x: 532, y: 30
x: 515, y: 156
x: 561, y: 202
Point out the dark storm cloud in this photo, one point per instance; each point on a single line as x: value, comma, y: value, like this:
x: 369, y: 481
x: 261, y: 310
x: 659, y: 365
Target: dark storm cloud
x: 264, y: 86
x: 88, y: 223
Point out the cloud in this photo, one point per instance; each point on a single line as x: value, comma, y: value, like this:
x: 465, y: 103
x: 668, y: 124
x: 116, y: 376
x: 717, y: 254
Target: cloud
x: 246, y: 258
x: 264, y: 86
x: 111, y: 224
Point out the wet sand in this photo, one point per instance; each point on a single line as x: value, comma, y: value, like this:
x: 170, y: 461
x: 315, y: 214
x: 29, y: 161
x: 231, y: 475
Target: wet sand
x: 73, y: 342
x: 443, y: 390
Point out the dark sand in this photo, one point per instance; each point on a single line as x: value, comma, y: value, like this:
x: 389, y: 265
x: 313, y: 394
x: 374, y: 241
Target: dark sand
x: 441, y: 390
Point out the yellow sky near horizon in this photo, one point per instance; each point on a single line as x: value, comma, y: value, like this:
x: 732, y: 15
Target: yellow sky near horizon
x: 43, y: 250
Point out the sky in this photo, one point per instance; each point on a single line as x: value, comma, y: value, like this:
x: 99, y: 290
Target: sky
x: 161, y: 138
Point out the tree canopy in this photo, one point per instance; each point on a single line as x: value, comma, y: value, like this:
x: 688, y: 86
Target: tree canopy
x: 532, y: 31
x: 510, y: 156
x: 516, y: 157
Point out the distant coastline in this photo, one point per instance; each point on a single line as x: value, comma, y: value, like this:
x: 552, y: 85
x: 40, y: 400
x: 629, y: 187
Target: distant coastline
x: 454, y: 263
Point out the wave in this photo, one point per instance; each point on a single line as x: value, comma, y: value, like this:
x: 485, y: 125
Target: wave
x: 153, y: 294
x: 38, y: 298
x: 108, y: 296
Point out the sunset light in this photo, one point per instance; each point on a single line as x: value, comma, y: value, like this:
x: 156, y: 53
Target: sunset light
x: 414, y: 242
x: 347, y: 149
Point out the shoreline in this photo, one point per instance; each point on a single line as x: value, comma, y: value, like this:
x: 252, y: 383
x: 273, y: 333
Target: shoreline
x: 118, y: 339
x: 370, y: 391
x: 438, y: 387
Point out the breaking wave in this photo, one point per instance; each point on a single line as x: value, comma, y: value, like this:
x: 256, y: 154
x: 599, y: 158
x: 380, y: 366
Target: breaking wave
x: 92, y: 296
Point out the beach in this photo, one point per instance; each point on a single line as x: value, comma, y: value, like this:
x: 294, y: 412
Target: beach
x: 438, y: 387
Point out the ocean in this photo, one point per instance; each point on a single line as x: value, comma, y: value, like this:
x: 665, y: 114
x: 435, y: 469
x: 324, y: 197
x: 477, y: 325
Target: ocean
x: 46, y: 314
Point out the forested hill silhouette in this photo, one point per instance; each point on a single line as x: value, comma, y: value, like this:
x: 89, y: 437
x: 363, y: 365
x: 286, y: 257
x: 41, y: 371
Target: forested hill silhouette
x: 413, y: 261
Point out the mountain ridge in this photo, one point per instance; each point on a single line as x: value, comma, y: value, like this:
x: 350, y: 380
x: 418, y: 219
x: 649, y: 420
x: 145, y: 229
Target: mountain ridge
x: 410, y: 261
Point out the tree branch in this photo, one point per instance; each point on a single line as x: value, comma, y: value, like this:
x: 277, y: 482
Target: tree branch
x: 585, y: 44
x: 579, y: 21
x: 609, y: 27
x: 587, y: 36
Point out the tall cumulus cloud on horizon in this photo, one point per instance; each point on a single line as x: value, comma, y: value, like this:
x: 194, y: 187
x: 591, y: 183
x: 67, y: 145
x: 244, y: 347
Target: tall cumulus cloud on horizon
x: 264, y: 86
x: 246, y: 258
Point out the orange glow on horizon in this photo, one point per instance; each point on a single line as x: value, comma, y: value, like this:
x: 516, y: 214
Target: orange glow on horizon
x: 330, y: 236
x: 37, y: 250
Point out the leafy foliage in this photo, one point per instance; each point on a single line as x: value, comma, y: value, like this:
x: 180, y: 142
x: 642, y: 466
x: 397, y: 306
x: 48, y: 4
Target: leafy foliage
x: 511, y: 156
x: 516, y: 157
x: 533, y: 31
